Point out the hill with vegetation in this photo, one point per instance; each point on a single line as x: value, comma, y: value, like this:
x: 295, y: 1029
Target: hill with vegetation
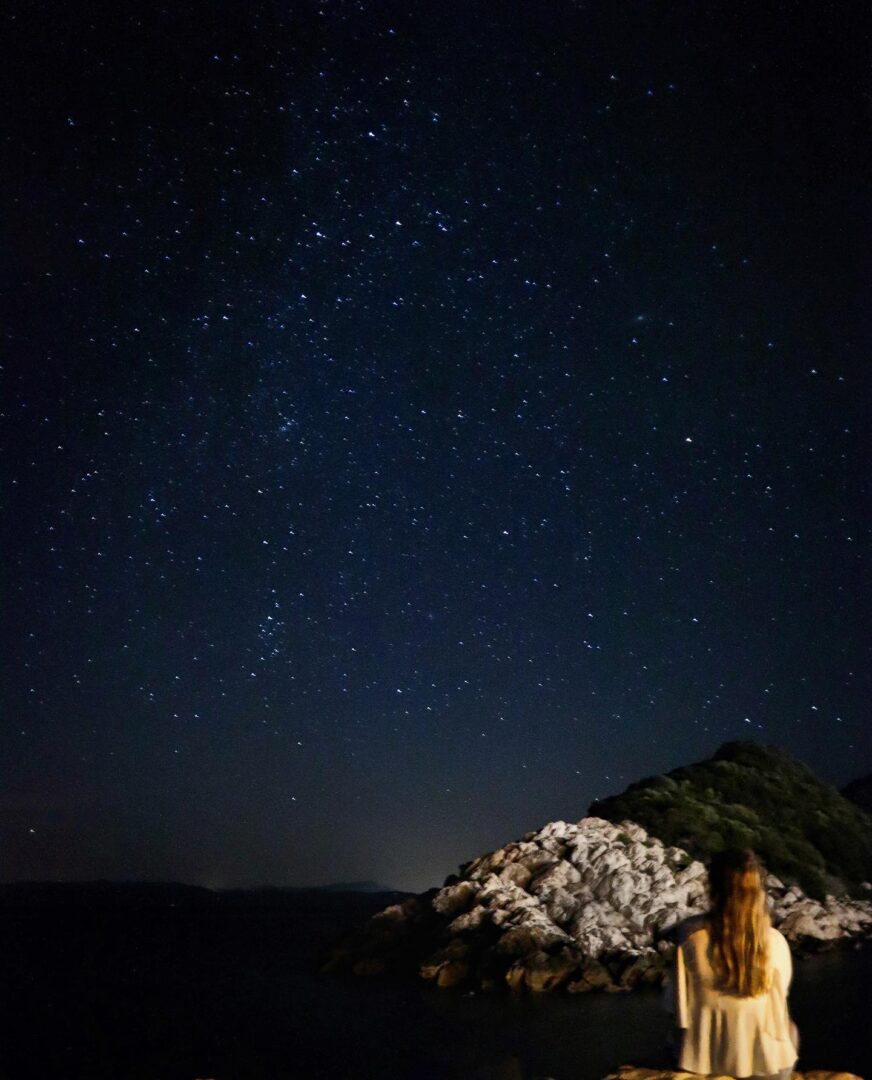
x: 750, y: 795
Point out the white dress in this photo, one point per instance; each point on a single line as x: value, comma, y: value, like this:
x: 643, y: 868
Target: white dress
x: 725, y: 1034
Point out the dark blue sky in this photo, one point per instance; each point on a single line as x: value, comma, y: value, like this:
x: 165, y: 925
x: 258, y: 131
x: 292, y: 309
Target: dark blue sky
x: 419, y: 420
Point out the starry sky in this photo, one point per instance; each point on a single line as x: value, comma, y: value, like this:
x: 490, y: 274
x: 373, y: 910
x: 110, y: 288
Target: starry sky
x: 419, y: 420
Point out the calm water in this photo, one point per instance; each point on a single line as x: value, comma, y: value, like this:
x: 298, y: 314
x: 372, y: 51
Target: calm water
x: 232, y: 995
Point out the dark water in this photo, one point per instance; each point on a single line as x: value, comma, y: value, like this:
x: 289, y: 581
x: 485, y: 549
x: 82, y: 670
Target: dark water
x: 231, y: 994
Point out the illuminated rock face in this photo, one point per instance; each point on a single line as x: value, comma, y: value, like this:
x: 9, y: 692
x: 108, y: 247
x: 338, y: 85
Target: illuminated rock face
x: 584, y: 905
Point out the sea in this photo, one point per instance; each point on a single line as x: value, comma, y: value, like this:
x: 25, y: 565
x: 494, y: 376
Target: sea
x: 139, y: 984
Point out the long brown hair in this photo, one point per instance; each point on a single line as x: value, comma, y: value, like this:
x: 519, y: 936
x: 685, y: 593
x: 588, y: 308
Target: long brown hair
x: 739, y: 922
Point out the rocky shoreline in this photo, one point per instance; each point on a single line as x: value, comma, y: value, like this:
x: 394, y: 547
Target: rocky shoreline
x: 579, y: 906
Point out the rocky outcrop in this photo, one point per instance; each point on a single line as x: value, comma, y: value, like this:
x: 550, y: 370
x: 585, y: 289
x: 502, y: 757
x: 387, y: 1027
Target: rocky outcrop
x: 806, y: 922
x: 583, y: 906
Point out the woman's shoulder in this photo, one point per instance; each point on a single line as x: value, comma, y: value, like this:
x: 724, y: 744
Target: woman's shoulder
x: 777, y: 940
x: 695, y: 927
x: 779, y: 953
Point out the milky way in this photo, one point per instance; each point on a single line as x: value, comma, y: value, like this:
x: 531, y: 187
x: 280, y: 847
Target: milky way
x: 418, y: 421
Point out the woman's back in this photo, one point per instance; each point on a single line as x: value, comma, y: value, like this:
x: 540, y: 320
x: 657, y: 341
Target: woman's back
x: 725, y: 1032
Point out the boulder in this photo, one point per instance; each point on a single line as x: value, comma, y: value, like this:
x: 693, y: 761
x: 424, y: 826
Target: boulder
x: 455, y: 899
x: 515, y: 976
x: 801, y: 924
x: 560, y: 905
x: 516, y: 873
x: 633, y: 831
x: 647, y: 969
x: 539, y: 860
x: 560, y: 873
x: 594, y: 976
x: 611, y: 860
x: 623, y: 888
x: 545, y: 971
x: 525, y: 940
x: 470, y: 920
x: 456, y: 950
x: 452, y: 973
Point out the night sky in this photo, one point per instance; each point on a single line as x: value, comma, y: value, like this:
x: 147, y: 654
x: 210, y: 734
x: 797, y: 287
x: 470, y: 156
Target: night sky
x: 419, y: 420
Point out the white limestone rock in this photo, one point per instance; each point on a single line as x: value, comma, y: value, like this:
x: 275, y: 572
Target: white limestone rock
x: 560, y: 906
x: 559, y: 874
x: 594, y: 893
x: 471, y: 920
x: 454, y: 899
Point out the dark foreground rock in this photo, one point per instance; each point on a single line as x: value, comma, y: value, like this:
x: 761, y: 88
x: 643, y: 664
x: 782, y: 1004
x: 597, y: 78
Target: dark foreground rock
x: 581, y: 906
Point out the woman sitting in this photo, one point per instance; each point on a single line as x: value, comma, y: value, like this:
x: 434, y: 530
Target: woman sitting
x: 728, y: 989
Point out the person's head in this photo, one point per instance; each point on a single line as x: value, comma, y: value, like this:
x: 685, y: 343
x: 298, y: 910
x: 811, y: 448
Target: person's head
x: 739, y: 922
